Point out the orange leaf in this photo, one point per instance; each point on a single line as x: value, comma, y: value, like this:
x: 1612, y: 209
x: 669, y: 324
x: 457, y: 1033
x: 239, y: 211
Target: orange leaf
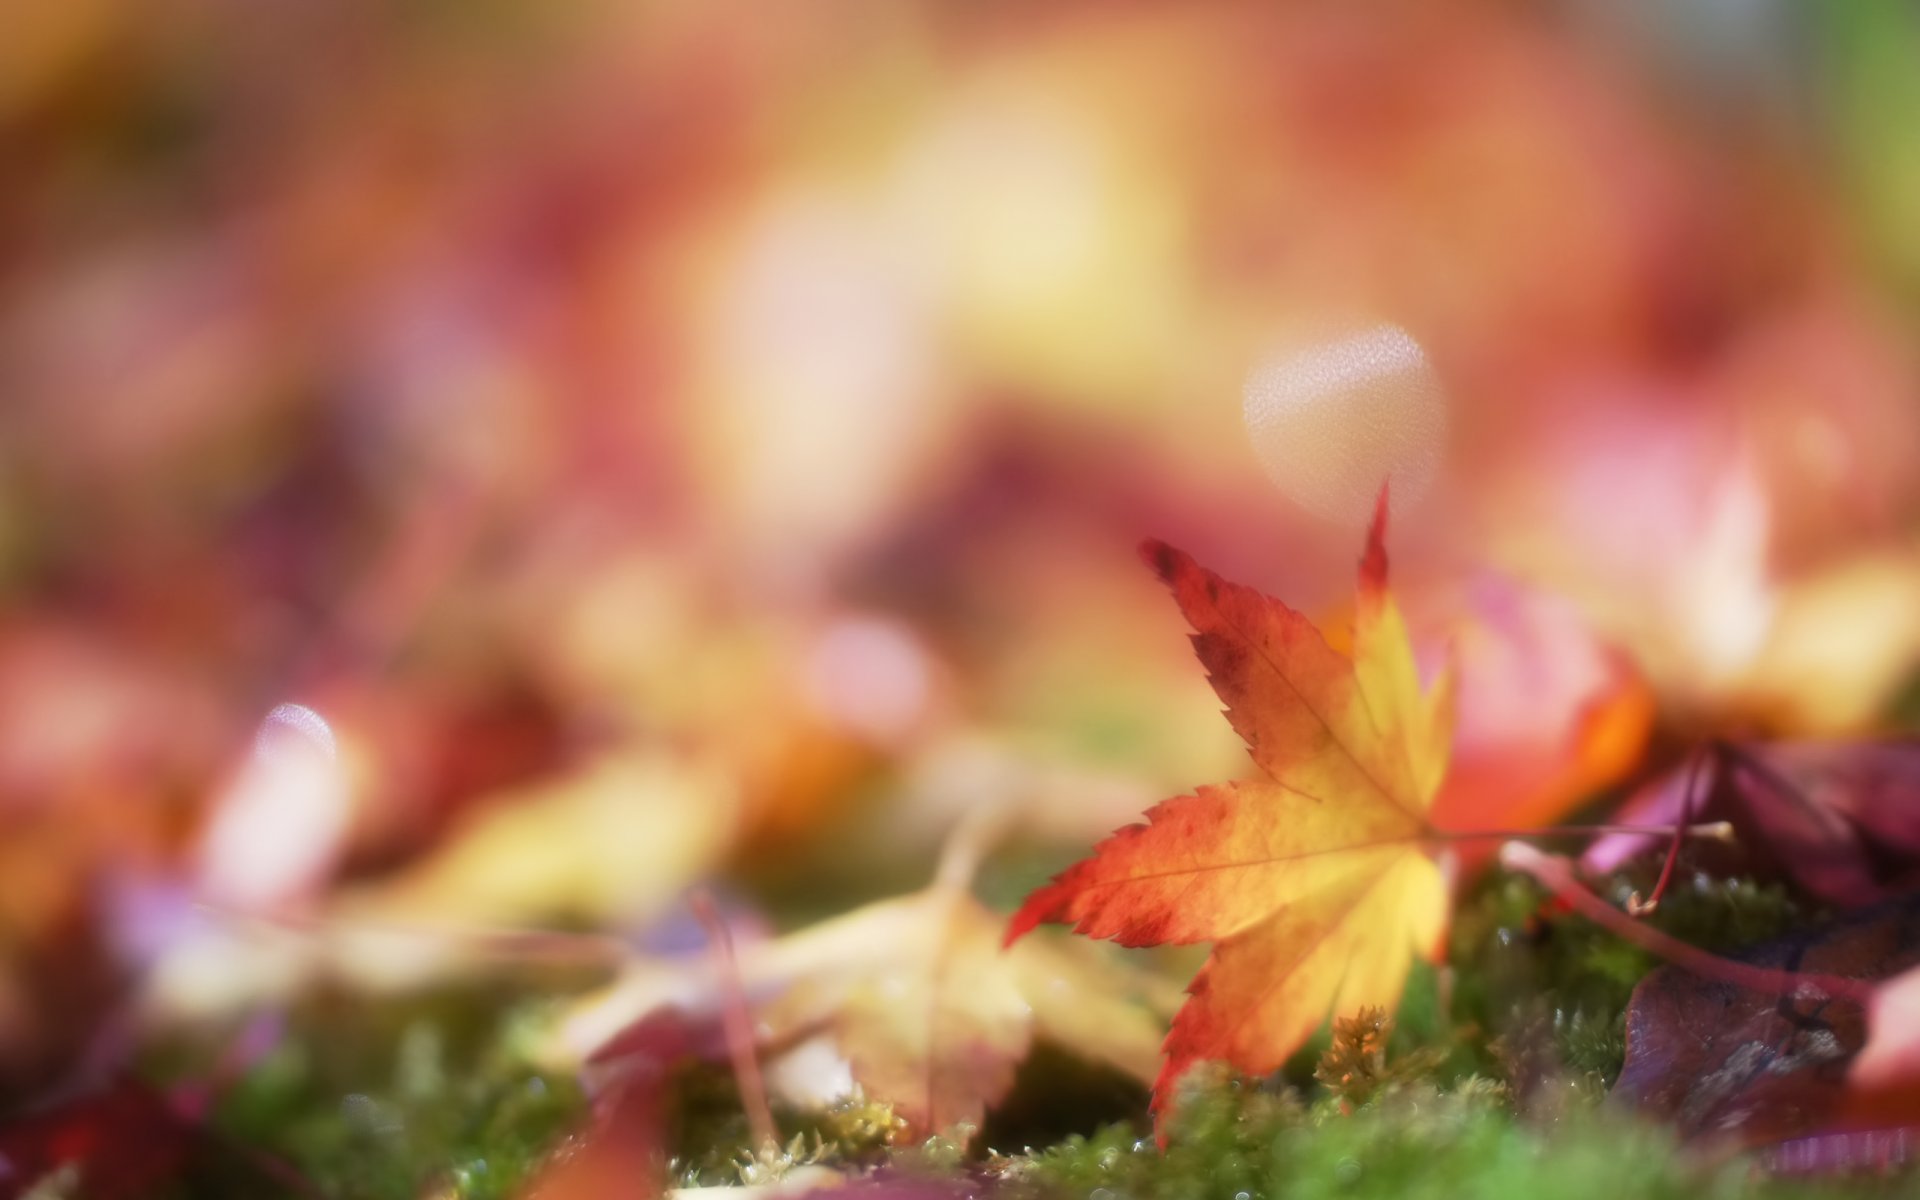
x: 1312, y: 882
x: 1549, y: 714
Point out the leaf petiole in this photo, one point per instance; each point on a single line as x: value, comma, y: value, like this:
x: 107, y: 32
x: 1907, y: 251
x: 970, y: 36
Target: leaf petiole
x: 1556, y: 875
x: 1718, y: 831
x: 736, y: 1021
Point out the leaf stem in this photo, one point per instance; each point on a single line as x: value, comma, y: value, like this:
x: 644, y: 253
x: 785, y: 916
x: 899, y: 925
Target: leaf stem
x: 1719, y: 831
x: 1646, y: 908
x: 968, y: 844
x: 1557, y: 875
x: 736, y: 1021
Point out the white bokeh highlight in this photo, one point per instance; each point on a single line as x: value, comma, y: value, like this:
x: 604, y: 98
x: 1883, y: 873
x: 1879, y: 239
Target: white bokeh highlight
x: 1333, y: 420
x: 279, y: 824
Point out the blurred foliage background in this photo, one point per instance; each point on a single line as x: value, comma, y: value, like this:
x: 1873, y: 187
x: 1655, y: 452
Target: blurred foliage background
x: 677, y: 440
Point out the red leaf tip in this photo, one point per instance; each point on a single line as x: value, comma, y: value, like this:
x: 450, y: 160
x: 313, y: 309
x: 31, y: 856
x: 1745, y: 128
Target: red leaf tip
x: 1018, y: 926
x: 1164, y: 559
x: 1373, y: 562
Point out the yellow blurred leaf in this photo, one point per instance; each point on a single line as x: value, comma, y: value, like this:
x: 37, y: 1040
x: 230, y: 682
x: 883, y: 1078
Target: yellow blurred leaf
x: 931, y: 1015
x: 616, y: 839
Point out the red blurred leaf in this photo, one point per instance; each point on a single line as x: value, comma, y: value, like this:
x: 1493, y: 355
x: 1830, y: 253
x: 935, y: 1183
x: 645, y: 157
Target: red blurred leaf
x: 125, y: 1141
x: 616, y: 1155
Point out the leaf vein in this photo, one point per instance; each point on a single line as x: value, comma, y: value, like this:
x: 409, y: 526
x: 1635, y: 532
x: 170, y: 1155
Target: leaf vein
x: 1325, y: 724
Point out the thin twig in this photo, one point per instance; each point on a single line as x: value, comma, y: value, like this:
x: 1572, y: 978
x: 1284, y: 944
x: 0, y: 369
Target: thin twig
x: 1646, y: 908
x: 736, y: 1021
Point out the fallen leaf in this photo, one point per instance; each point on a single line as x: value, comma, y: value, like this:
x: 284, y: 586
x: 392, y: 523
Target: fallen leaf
x: 564, y: 847
x: 1311, y: 882
x: 1711, y: 1058
x: 1884, y: 1081
x: 929, y: 1013
x: 1846, y: 1152
x: 1835, y: 818
x: 1548, y: 714
x: 936, y: 1027
x: 899, y: 1186
x: 1842, y: 642
x: 1681, y: 540
x: 617, y: 1153
x: 126, y: 1138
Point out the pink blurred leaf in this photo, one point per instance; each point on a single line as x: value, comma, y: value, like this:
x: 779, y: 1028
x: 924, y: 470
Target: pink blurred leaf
x: 1885, y: 1077
x: 1548, y: 713
x: 1841, y: 820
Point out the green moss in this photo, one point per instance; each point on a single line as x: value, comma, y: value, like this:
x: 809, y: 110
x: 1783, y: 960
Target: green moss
x: 1488, y: 1083
x: 711, y: 1145
x: 396, y: 1098
x: 1550, y: 989
x: 1232, y: 1142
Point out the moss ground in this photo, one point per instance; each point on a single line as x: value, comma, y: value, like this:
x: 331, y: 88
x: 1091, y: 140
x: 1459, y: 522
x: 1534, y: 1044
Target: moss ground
x: 1491, y: 1082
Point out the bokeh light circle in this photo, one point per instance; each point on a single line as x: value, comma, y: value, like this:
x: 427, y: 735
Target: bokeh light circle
x: 1333, y: 419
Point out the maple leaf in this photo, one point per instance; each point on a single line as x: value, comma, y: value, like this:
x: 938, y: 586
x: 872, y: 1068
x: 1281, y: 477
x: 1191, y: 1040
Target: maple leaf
x: 1312, y: 882
x: 934, y: 1020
